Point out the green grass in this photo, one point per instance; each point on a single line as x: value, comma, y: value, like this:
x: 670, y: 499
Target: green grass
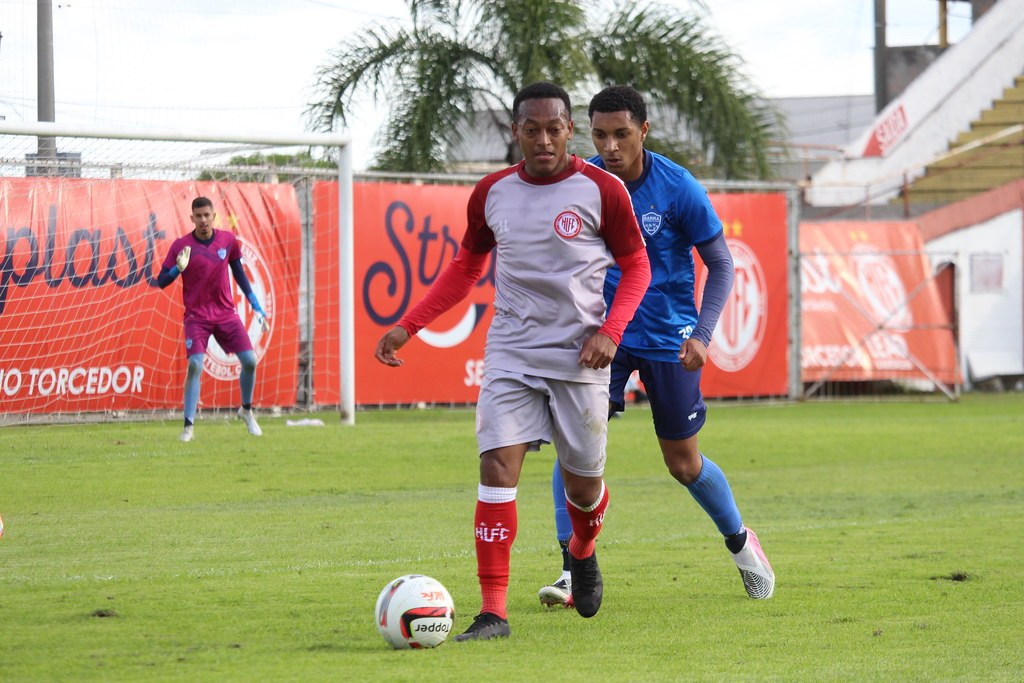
x: 894, y: 529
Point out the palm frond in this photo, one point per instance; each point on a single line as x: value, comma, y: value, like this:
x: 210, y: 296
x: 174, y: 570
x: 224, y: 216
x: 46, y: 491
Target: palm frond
x: 438, y: 96
x: 364, y: 66
x: 538, y: 39
x: 684, y: 68
x: 463, y: 57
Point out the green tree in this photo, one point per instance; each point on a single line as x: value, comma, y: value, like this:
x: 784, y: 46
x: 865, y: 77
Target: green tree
x: 458, y: 60
x: 264, y: 168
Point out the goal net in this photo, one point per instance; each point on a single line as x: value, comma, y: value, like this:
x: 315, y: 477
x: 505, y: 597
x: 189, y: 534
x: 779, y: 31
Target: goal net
x: 88, y: 216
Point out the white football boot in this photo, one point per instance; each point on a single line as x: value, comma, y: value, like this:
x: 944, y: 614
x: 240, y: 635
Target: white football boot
x: 556, y: 593
x: 250, y: 421
x: 757, y: 574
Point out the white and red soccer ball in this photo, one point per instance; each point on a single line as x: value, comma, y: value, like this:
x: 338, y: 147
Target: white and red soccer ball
x: 415, y: 611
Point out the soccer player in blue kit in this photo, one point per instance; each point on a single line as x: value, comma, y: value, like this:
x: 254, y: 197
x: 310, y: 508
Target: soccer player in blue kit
x: 667, y: 341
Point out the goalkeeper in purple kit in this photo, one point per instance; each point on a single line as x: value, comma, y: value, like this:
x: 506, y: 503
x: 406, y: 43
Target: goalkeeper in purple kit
x: 667, y: 340
x: 202, y: 259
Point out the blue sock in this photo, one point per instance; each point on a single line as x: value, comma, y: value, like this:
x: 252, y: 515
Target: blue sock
x: 247, y: 378
x: 563, y: 526
x: 711, y: 491
x: 195, y: 371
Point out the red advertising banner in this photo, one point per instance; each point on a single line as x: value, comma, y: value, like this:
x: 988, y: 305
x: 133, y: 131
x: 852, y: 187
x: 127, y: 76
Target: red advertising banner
x: 83, y: 324
x: 748, y: 354
x: 871, y: 310
x: 406, y: 234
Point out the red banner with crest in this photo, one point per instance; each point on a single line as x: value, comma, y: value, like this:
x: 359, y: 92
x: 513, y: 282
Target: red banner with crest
x: 871, y: 309
x: 83, y: 324
x: 748, y: 354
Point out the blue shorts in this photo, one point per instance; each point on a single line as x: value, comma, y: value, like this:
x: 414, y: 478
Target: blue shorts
x: 677, y: 405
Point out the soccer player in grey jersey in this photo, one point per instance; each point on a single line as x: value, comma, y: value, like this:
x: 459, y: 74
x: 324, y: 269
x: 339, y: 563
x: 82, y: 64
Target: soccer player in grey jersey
x: 557, y: 224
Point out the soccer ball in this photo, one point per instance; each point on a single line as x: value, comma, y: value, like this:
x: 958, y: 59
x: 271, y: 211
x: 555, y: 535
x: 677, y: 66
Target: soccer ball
x: 415, y: 611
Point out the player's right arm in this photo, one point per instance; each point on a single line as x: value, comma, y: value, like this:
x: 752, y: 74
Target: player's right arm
x: 451, y: 287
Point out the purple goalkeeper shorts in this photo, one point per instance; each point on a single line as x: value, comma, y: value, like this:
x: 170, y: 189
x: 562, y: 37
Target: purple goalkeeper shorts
x: 229, y: 333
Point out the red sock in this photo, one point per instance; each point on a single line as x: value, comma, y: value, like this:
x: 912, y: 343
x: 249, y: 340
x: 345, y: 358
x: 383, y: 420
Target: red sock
x: 586, y: 525
x: 496, y: 525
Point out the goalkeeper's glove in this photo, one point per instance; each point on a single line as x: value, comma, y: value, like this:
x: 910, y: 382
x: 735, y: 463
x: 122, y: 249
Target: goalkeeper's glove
x: 182, y: 260
x: 261, y: 316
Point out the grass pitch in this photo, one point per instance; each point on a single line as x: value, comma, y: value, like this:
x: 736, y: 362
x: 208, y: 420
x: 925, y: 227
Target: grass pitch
x: 894, y: 529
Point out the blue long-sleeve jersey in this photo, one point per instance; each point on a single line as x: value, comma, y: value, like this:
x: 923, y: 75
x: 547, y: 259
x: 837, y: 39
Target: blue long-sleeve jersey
x: 675, y: 215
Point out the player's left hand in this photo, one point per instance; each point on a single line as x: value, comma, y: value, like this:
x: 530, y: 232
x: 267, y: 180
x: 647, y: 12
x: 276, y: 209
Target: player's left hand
x: 693, y: 354
x: 264, y: 322
x: 598, y: 352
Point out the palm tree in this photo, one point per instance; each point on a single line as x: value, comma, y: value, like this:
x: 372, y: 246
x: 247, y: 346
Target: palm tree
x: 458, y: 58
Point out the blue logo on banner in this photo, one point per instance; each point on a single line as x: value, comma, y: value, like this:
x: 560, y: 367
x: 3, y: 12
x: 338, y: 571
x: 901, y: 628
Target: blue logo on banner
x: 651, y: 222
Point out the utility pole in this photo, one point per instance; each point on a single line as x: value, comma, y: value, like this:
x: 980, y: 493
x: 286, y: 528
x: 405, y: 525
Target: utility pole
x: 47, y: 147
x: 943, y: 25
x: 881, y: 59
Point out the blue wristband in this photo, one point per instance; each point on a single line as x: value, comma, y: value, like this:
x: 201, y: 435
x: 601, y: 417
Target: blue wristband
x: 174, y: 272
x: 255, y: 303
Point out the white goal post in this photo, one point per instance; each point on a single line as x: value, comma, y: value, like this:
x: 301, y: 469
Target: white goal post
x: 81, y: 209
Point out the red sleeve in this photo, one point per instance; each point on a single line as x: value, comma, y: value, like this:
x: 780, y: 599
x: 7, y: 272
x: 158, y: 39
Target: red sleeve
x: 479, y: 238
x: 462, y: 273
x: 636, y: 276
x: 618, y: 222
x: 451, y: 287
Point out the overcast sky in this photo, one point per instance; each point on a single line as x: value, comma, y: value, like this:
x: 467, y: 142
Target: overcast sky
x: 249, y: 64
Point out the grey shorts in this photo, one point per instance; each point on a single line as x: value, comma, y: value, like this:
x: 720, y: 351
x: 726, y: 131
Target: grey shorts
x: 523, y: 409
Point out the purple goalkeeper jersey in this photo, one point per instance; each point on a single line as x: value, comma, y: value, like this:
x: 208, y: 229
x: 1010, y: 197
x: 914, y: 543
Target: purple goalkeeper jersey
x: 205, y: 284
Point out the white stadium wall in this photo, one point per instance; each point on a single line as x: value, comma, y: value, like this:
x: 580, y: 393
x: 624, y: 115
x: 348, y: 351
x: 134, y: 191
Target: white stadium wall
x: 919, y: 125
x: 984, y: 236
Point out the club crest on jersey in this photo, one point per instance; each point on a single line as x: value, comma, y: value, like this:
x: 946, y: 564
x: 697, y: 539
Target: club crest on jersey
x: 651, y: 222
x: 223, y: 253
x: 568, y: 224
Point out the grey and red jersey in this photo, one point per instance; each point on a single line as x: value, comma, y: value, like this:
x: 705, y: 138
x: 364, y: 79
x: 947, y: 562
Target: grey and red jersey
x: 205, y: 285
x: 555, y: 239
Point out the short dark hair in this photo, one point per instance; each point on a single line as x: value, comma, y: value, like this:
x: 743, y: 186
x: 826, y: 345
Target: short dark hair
x: 541, y: 91
x: 620, y: 98
x: 199, y: 202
